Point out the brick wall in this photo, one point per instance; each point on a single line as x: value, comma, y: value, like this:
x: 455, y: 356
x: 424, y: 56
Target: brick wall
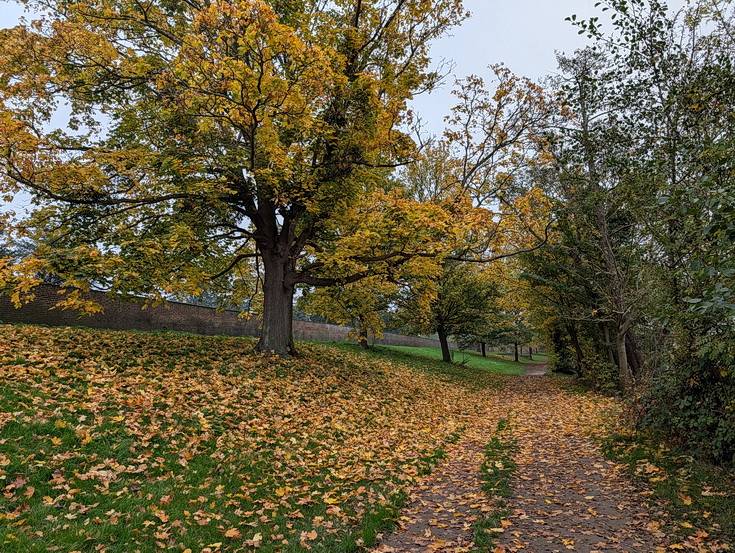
x: 182, y: 317
x: 120, y: 315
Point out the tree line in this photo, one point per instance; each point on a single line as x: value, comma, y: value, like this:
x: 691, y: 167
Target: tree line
x: 635, y: 290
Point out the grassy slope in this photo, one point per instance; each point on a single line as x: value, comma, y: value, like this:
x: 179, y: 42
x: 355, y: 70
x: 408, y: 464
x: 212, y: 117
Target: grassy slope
x: 131, y: 441
x: 701, y: 497
x: 469, y: 359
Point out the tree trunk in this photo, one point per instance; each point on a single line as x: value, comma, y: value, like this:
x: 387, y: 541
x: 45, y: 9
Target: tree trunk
x: 574, y: 337
x: 515, y: 346
x: 363, y: 339
x: 635, y: 356
x: 482, y: 348
x: 626, y: 378
x: 443, y: 340
x: 530, y: 353
x: 277, y: 331
x: 617, y: 294
x: 608, y: 344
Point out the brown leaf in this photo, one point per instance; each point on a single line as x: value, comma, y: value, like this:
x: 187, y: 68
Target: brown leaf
x: 233, y: 533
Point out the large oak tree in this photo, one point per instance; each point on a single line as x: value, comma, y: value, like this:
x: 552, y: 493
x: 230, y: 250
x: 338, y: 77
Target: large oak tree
x: 210, y: 141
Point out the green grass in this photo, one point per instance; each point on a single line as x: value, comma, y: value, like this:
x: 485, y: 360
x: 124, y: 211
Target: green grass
x: 497, y: 472
x: 470, y: 359
x: 468, y: 369
x: 697, y: 495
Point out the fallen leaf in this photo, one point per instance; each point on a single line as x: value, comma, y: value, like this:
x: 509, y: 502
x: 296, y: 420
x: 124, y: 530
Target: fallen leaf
x: 233, y: 533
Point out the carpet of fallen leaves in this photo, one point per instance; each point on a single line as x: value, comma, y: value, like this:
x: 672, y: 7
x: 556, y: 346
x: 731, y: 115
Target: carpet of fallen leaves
x: 445, y: 505
x: 141, y: 442
x: 565, y: 496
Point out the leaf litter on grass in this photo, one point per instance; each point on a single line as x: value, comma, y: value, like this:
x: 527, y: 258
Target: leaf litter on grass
x: 125, y: 442
x: 115, y: 441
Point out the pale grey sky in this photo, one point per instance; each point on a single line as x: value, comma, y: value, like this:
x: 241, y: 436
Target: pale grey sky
x: 522, y: 34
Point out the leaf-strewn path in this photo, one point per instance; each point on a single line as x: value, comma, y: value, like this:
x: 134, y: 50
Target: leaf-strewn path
x: 566, y: 496
x: 443, y: 507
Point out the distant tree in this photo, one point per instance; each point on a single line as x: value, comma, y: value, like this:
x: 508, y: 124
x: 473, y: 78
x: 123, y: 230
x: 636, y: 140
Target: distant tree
x: 493, y: 138
x: 15, y: 251
x: 457, y: 303
x: 360, y: 305
x: 496, y: 331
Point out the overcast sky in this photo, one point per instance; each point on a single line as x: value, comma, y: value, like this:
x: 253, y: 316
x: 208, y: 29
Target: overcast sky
x: 522, y: 34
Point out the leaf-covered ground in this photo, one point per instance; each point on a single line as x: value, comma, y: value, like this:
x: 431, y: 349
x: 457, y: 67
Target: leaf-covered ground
x: 145, y: 442
x: 566, y: 496
x: 550, y: 488
x: 445, y: 506
x: 137, y: 442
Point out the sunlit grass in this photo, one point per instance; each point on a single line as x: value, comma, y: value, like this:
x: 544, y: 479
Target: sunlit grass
x: 467, y: 358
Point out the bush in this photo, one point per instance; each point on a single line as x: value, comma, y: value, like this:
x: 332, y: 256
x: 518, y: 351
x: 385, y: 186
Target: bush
x: 561, y: 360
x: 693, y: 403
x: 599, y: 374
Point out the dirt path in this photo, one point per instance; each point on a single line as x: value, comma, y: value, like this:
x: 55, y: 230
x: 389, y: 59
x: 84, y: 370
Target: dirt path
x: 566, y: 497
x: 536, y: 369
x: 443, y: 508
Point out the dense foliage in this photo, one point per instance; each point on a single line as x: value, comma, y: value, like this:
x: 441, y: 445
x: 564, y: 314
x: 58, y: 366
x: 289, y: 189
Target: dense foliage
x: 636, y: 290
x: 240, y: 146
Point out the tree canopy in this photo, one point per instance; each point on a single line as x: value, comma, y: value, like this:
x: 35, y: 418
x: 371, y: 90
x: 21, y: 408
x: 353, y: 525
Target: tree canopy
x: 209, y: 143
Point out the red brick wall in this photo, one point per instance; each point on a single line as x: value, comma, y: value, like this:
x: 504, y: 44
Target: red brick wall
x: 183, y: 317
x: 120, y: 315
